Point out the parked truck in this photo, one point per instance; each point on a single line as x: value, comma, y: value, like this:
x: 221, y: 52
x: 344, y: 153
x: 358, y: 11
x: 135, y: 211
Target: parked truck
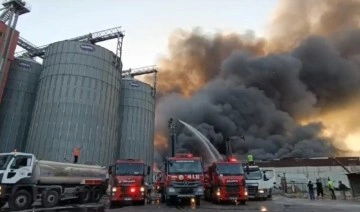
x: 182, y: 179
x: 24, y: 179
x: 225, y: 182
x: 259, y: 182
x: 127, y: 182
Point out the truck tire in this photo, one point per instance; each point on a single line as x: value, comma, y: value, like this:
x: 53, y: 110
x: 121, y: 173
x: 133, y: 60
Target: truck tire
x: 96, y: 195
x: 85, y: 196
x: 197, y: 200
x: 2, y: 203
x: 50, y: 198
x: 20, y: 200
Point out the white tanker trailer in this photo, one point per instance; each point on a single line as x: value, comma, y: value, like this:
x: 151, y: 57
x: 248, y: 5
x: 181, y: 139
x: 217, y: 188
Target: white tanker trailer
x: 24, y: 180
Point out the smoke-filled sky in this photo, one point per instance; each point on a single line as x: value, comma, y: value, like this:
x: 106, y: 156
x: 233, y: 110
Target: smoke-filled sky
x: 293, y: 93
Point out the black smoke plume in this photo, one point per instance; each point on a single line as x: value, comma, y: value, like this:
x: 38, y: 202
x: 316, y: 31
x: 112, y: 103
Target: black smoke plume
x: 233, y: 85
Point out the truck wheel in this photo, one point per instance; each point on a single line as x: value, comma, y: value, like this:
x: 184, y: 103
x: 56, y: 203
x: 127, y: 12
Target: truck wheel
x: 163, y: 199
x: 85, y: 196
x: 197, y: 201
x: 2, y: 203
x: 21, y: 200
x: 50, y: 198
x: 96, y: 195
x: 169, y: 201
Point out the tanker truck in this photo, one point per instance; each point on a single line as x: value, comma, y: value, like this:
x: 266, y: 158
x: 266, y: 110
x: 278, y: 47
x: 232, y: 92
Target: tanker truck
x: 25, y: 179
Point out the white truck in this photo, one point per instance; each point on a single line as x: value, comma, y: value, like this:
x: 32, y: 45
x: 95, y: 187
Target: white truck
x: 24, y: 180
x: 259, y: 182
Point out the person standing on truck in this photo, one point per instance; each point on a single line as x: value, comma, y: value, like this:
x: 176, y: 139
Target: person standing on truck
x: 319, y: 189
x: 76, y: 153
x: 311, y: 190
x: 330, y: 184
x: 250, y: 159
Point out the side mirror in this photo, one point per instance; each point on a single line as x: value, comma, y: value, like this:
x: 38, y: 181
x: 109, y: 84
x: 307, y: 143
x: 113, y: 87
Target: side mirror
x: 148, y: 170
x: 247, y: 169
x: 110, y: 170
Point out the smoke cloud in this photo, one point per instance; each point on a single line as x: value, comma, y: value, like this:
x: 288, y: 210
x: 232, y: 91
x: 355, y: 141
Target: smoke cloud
x: 292, y: 94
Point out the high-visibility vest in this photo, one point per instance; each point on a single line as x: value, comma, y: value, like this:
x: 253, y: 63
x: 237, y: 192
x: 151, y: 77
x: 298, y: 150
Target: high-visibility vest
x: 331, y: 184
x: 250, y: 158
x: 76, y: 151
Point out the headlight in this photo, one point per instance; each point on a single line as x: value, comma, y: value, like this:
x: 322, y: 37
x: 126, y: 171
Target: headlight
x: 246, y: 193
x: 113, y: 189
x: 171, y: 189
x: 142, y: 189
x: 261, y: 191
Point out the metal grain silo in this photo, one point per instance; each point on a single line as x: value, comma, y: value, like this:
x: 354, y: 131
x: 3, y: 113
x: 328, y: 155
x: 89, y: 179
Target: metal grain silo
x: 17, y: 103
x: 77, y: 104
x: 137, y: 106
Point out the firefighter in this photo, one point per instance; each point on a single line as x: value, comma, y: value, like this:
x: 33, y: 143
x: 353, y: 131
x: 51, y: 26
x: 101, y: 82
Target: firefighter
x: 342, y: 189
x: 250, y: 159
x: 331, y: 188
x: 76, y: 153
x: 319, y: 189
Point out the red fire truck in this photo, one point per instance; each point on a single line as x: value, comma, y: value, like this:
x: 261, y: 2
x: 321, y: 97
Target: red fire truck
x: 182, y: 179
x: 225, y: 181
x: 127, y: 182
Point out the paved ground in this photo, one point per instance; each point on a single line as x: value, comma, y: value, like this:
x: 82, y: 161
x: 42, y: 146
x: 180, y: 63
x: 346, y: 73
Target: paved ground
x: 282, y: 204
x: 278, y: 203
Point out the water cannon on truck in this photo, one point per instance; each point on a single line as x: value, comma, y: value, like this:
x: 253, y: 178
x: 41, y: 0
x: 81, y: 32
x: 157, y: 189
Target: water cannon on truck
x: 225, y: 180
x: 24, y: 179
x: 127, y: 182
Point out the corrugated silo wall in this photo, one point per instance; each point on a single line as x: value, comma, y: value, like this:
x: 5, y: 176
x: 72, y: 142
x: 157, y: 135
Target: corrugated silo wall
x: 17, y: 103
x: 137, y: 106
x: 76, y: 104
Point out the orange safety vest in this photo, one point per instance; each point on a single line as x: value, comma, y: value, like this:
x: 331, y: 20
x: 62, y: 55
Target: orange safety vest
x: 76, y: 151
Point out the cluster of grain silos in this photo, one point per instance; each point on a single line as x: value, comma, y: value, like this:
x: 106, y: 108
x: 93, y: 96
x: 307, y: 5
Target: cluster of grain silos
x: 77, y: 97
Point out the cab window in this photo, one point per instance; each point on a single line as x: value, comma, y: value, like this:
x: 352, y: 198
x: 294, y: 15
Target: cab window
x: 21, y: 161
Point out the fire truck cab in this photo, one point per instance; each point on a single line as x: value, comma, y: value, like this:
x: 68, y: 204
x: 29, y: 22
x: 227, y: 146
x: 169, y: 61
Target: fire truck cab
x: 127, y: 181
x: 182, y: 179
x: 225, y: 182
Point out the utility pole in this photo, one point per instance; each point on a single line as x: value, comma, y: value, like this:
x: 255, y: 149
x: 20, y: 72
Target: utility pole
x: 172, y: 132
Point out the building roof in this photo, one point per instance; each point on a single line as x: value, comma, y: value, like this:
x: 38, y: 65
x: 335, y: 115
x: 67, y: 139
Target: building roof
x: 298, y: 162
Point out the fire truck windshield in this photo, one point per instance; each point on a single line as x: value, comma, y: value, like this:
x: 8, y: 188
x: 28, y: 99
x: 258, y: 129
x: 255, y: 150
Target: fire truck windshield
x: 129, y: 169
x: 229, y: 169
x: 184, y: 167
x: 4, y: 161
x: 254, y: 174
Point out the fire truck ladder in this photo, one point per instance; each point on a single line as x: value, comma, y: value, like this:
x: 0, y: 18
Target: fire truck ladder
x: 93, y: 38
x: 11, y: 12
x: 141, y: 71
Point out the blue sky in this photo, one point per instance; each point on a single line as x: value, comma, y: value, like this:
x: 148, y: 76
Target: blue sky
x: 147, y: 23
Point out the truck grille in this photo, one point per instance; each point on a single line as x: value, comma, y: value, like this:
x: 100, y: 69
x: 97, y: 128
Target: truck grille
x: 186, y: 191
x: 252, y: 190
x: 186, y: 184
x: 232, y: 189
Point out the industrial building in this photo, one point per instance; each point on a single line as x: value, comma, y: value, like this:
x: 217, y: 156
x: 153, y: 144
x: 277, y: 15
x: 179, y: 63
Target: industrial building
x: 298, y: 171
x: 78, y: 96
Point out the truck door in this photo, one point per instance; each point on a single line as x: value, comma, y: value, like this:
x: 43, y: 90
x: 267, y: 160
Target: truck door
x: 19, y: 170
x: 269, y: 177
